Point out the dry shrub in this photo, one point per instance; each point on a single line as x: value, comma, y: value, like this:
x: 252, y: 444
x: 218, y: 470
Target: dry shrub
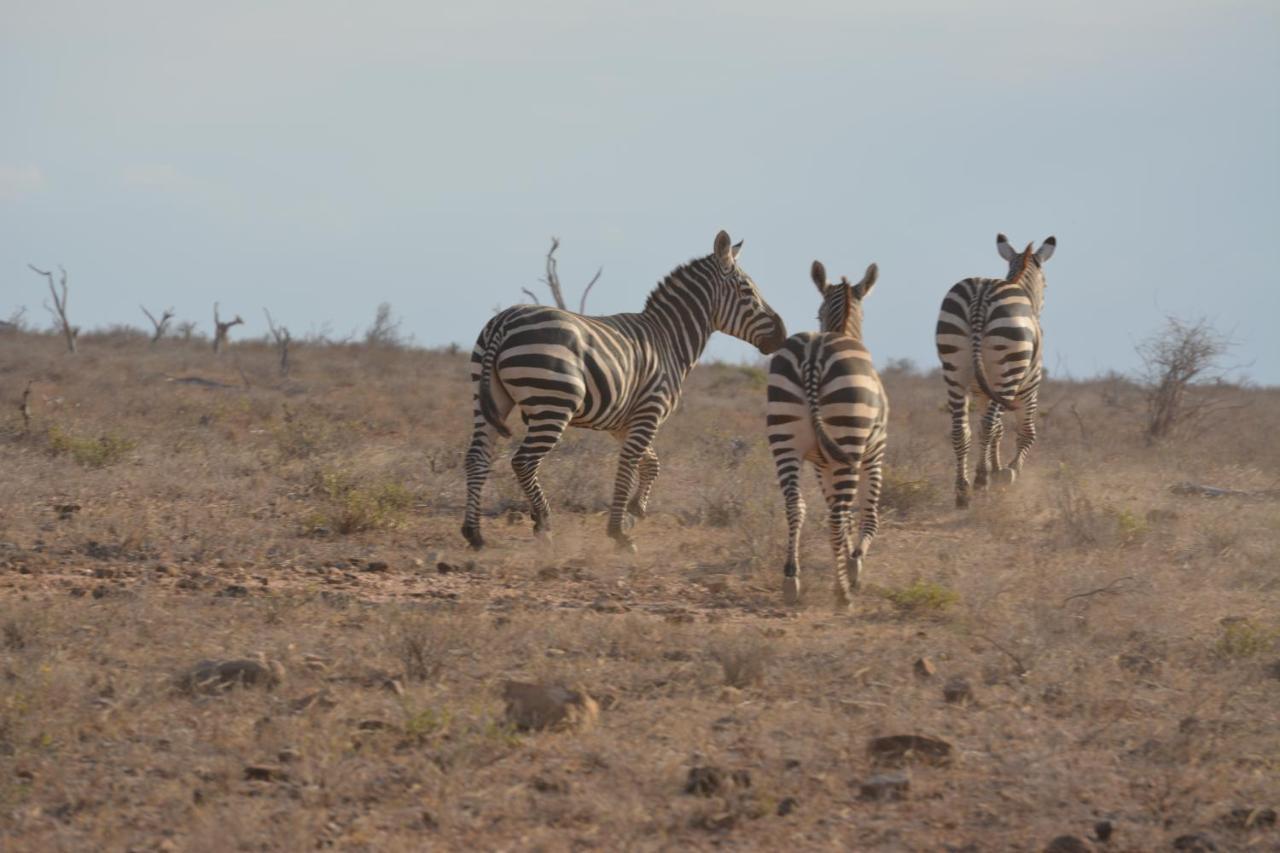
x: 101, y: 452
x: 422, y: 644
x: 354, y: 507
x: 743, y: 657
x: 1244, y: 638
x: 1175, y: 359
x: 921, y: 597
x: 904, y: 494
x: 301, y: 436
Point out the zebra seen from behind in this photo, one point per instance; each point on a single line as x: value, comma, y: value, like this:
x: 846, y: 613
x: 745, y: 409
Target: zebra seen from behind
x: 826, y: 404
x: 621, y: 374
x: 989, y: 342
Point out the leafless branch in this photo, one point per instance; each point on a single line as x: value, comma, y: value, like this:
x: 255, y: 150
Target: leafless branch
x: 1181, y: 356
x: 552, y: 280
x: 60, y: 302
x: 1022, y: 668
x: 160, y: 325
x: 221, y: 329
x: 529, y: 293
x: 25, y: 408
x: 1109, y: 588
x: 283, y: 339
x: 582, y: 303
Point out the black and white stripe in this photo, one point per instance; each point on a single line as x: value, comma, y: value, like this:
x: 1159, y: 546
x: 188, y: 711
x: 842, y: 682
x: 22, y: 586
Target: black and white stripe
x: 989, y: 342
x: 621, y: 374
x: 826, y: 404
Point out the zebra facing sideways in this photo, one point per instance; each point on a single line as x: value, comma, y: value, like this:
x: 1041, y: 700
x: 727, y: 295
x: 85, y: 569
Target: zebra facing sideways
x: 826, y: 404
x: 989, y: 342
x: 621, y: 374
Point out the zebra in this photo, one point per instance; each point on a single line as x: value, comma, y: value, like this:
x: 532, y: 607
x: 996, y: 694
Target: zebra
x: 826, y: 404
x: 620, y: 374
x: 989, y: 342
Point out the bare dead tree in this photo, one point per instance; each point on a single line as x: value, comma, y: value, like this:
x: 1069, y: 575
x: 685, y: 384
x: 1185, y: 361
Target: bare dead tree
x: 160, y: 325
x: 221, y: 329
x: 25, y: 408
x: 552, y: 281
x: 59, y: 311
x: 283, y: 339
x: 1179, y: 356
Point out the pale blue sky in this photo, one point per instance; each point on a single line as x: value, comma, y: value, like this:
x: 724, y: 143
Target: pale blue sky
x: 320, y: 157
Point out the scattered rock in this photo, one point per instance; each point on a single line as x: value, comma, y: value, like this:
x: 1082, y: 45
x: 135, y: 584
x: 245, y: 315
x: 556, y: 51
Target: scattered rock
x: 548, y: 573
x: 884, y: 786
x: 1246, y: 818
x: 321, y: 699
x: 707, y: 781
x: 373, y: 725
x: 957, y: 691
x: 1102, y: 830
x: 1137, y: 664
x: 787, y: 805
x: 549, y: 785
x: 101, y: 591
x: 377, y: 566
x: 212, y: 676
x: 532, y: 707
x: 288, y: 755
x: 1195, y: 842
x: 897, y: 750
x: 1068, y: 844
x: 265, y: 773
x: 1273, y: 669
x: 234, y: 590
x: 66, y: 511
x: 677, y: 655
x: 924, y: 668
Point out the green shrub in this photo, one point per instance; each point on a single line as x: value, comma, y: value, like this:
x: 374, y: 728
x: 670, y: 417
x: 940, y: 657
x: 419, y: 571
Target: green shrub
x: 353, y: 507
x: 98, y: 452
x: 904, y: 494
x: 921, y: 597
x: 1243, y: 638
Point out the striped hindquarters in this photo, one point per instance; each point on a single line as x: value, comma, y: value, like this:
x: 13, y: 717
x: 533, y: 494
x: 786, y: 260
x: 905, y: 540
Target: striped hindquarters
x: 988, y: 339
x: 825, y: 400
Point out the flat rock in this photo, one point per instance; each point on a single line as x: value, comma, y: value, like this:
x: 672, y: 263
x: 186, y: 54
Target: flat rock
x: 1068, y: 844
x: 1196, y: 842
x: 884, y: 786
x: 957, y: 691
x: 898, y: 750
x: 1247, y: 818
x: 265, y: 773
x: 924, y: 667
x: 533, y: 707
x: 214, y: 676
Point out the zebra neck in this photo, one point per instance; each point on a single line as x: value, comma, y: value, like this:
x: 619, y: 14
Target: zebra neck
x: 680, y: 316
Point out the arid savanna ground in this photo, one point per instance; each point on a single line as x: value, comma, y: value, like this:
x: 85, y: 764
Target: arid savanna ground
x: 1120, y: 641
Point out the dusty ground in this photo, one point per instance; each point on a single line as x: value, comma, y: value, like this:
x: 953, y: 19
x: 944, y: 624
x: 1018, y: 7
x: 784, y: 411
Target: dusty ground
x: 1120, y: 641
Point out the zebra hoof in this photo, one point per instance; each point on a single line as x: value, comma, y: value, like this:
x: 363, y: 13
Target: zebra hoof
x: 473, y: 537
x: 623, y: 542
x: 1004, y: 477
x: 962, y: 501
x: 791, y: 589
x: 637, y: 511
x: 855, y: 573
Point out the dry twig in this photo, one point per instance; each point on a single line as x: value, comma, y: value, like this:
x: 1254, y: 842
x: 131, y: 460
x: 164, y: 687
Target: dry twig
x: 59, y: 311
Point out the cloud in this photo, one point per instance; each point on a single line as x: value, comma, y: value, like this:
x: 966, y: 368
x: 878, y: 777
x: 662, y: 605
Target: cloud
x: 17, y: 181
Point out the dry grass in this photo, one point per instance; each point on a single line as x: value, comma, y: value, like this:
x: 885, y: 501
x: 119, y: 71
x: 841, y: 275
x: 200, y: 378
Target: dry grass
x: 1121, y: 641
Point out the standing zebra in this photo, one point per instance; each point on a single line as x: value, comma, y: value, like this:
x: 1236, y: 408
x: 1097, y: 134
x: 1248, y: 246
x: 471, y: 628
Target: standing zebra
x: 989, y: 343
x: 827, y: 405
x: 621, y: 374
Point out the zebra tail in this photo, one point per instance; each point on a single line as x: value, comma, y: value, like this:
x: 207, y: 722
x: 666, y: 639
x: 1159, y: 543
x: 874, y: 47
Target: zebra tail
x: 485, y: 392
x: 978, y: 325
x: 830, y: 449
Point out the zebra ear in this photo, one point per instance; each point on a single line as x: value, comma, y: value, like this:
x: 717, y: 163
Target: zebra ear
x: 724, y: 248
x: 1045, y: 252
x: 819, y: 275
x: 1002, y: 246
x: 737, y: 248
x: 868, y: 281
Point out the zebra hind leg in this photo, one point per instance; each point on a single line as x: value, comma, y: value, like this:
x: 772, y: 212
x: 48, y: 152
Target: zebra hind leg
x: 840, y: 486
x: 988, y: 453
x: 958, y: 403
x: 545, y: 431
x: 635, y: 446
x: 1026, y: 434
x: 788, y: 465
x: 478, y: 460
x: 873, y: 470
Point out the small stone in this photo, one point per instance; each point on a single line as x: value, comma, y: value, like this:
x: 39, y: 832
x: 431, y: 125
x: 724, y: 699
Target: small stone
x: 288, y: 755
x: 320, y: 699
x: 1246, y: 818
x: 372, y: 725
x: 704, y: 781
x: 957, y: 691
x: 377, y: 566
x: 265, y: 773
x: 234, y: 590
x: 1068, y: 844
x: 884, y: 786
x: 787, y: 805
x: 1196, y: 842
x: 211, y: 676
x: 897, y: 750
x: 444, y: 568
x: 548, y: 706
x: 555, y: 653
x: 101, y: 591
x: 924, y: 668
x: 1102, y: 830
x: 548, y: 573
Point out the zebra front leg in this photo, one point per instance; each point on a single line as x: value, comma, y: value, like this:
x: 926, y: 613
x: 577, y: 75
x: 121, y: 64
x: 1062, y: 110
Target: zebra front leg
x: 634, y: 447
x: 788, y: 465
x: 958, y: 403
x: 1026, y: 433
x: 873, y: 470
x: 545, y: 431
x: 840, y: 486
x: 649, y: 467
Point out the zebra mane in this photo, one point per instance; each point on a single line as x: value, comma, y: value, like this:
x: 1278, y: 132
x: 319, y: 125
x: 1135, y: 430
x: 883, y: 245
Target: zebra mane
x: 678, y: 278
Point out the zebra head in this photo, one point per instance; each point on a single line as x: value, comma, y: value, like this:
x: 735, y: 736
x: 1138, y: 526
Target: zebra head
x: 841, y: 310
x: 739, y: 308
x: 1027, y: 266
